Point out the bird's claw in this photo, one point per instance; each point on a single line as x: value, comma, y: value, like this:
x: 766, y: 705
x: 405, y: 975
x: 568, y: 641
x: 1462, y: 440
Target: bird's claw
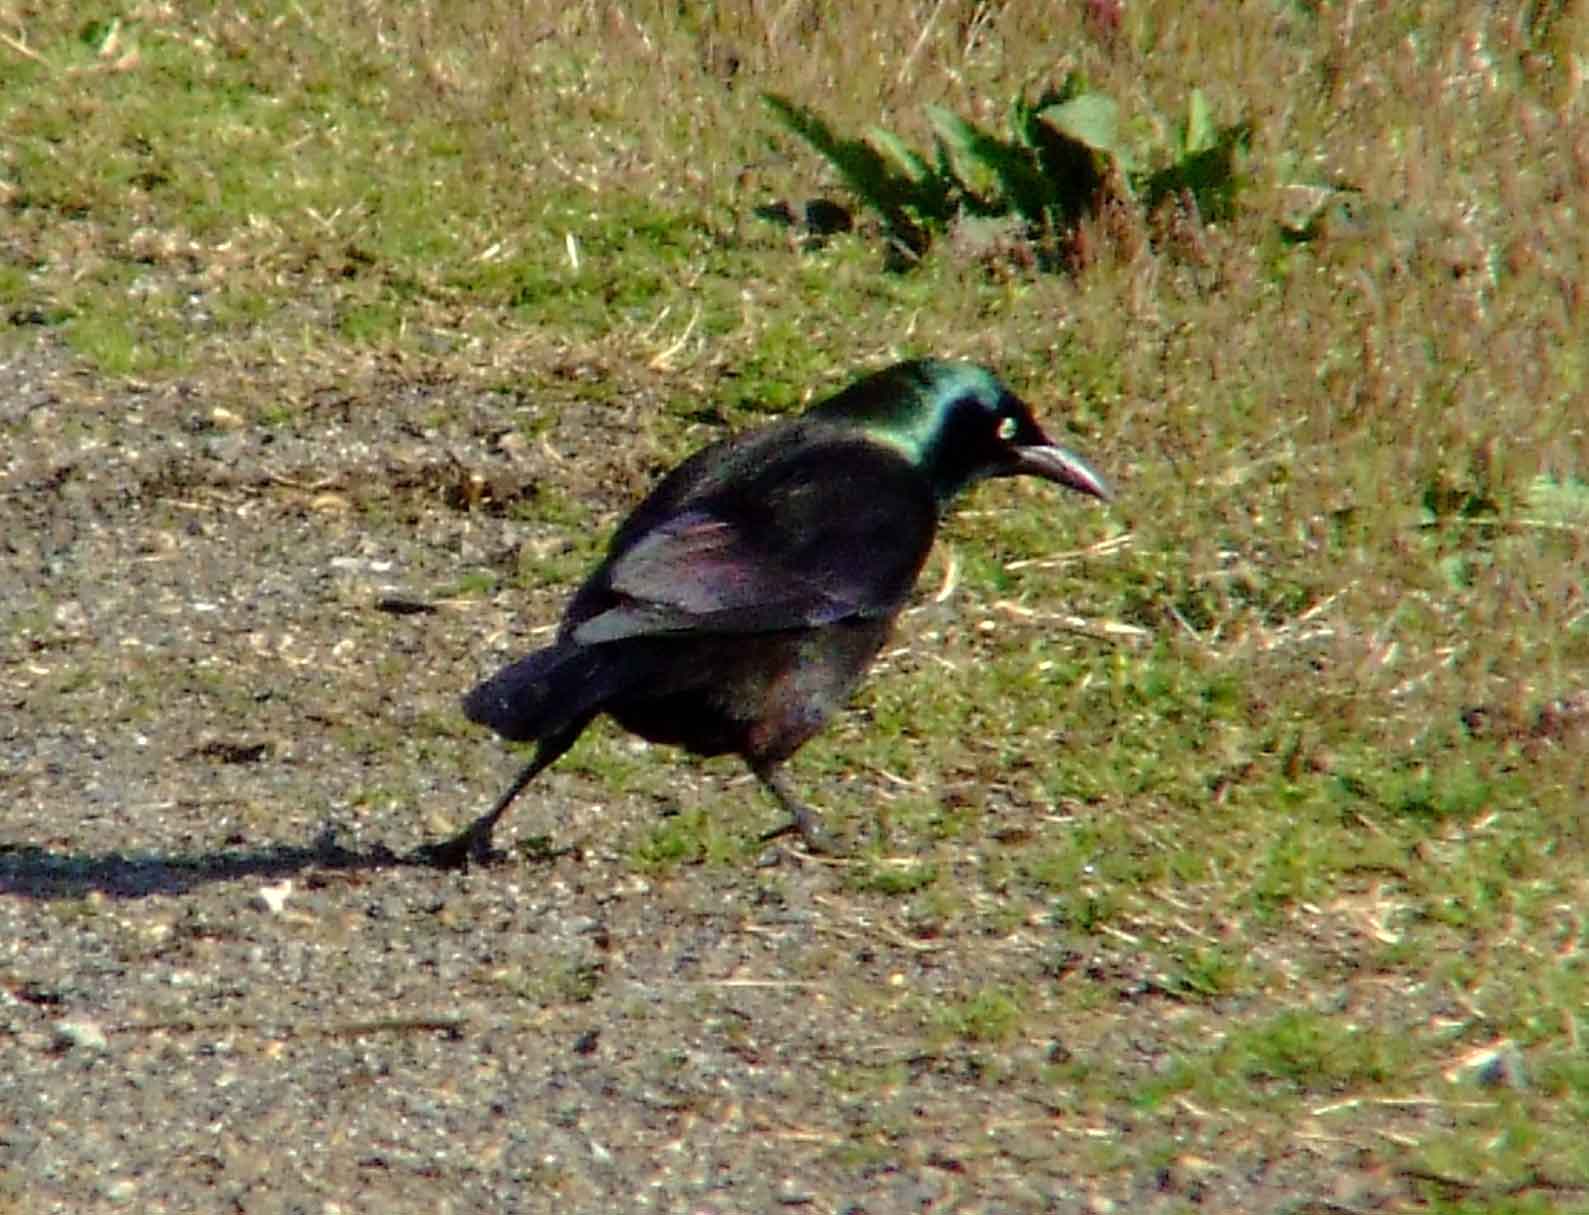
x: 462, y: 852
x: 812, y: 833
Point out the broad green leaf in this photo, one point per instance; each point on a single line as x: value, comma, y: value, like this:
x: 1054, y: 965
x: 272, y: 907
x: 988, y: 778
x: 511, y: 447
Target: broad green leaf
x: 1092, y: 119
x: 1200, y: 133
x: 892, y: 146
x: 1013, y: 166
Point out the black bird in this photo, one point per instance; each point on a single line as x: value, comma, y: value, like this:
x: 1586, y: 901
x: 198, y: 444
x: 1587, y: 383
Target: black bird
x: 742, y: 600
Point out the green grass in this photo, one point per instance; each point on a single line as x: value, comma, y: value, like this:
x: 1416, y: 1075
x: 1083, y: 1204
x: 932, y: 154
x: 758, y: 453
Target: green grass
x: 1324, y: 798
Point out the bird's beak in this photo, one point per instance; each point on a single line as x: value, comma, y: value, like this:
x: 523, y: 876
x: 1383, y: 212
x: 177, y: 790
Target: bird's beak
x: 1056, y: 464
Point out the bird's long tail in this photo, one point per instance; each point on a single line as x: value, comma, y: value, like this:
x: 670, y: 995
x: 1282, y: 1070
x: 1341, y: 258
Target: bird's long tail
x: 543, y: 692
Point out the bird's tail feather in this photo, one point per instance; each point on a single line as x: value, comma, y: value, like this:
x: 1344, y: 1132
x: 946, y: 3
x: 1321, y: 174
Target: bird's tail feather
x: 543, y: 692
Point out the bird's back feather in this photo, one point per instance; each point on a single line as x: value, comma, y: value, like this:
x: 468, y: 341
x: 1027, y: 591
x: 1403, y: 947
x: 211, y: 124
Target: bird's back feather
x: 816, y: 526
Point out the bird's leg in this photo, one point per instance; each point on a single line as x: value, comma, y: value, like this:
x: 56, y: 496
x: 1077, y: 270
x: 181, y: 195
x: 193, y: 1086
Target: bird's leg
x: 801, y: 817
x: 472, y: 845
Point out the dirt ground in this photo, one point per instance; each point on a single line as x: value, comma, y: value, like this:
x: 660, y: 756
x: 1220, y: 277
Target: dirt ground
x: 223, y: 988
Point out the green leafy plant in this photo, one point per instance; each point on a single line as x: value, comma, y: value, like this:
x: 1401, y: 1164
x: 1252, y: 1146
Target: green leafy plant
x: 905, y: 198
x: 1063, y: 155
x: 1204, y: 162
x: 1056, y: 161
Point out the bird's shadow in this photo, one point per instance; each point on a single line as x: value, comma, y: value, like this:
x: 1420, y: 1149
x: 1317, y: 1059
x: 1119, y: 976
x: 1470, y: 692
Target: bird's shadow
x: 35, y: 872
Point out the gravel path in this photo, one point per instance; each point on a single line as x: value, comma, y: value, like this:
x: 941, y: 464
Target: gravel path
x: 221, y: 989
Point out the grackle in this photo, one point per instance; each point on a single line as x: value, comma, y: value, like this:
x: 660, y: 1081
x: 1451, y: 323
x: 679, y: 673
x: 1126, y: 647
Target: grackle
x: 740, y: 603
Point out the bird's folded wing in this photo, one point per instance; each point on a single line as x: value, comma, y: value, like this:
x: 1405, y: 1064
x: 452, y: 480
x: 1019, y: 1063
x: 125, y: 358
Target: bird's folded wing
x: 702, y: 573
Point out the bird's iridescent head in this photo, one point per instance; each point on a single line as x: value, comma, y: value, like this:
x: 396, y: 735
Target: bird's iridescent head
x: 959, y: 424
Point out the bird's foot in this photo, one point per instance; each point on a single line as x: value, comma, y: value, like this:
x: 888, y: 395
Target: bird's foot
x: 806, y: 823
x: 468, y: 848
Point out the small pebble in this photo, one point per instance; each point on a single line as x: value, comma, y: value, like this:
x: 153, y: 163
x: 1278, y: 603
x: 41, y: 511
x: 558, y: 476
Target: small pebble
x: 792, y: 1194
x: 1499, y: 1065
x: 273, y: 898
x: 124, y: 1190
x: 81, y: 1033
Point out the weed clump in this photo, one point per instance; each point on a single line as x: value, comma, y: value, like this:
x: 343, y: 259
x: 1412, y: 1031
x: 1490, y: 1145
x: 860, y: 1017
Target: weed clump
x: 1065, y: 158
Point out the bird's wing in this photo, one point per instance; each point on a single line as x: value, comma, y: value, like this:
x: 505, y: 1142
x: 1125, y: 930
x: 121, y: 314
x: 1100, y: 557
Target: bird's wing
x: 819, y: 538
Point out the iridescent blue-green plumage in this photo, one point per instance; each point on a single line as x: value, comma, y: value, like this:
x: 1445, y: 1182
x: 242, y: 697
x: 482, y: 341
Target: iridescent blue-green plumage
x: 742, y: 600
x: 939, y: 415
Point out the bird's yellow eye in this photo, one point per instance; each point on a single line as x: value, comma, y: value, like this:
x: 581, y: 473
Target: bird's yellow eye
x: 1007, y: 428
